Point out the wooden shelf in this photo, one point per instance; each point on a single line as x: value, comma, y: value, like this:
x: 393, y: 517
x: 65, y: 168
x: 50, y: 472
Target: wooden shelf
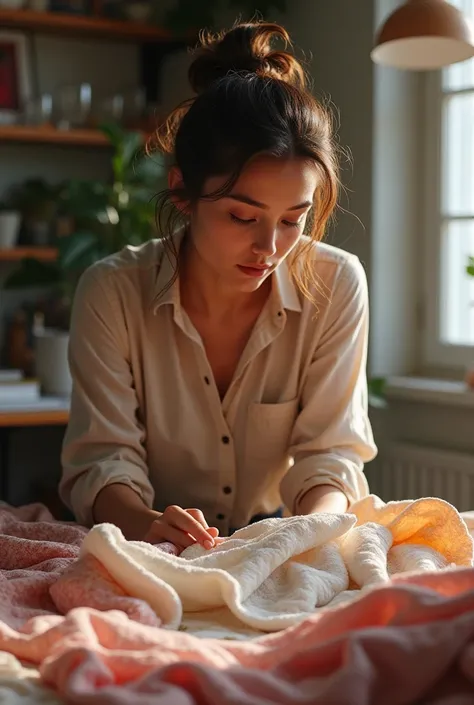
x: 16, y: 254
x: 50, y: 135
x: 50, y: 417
x: 82, y: 26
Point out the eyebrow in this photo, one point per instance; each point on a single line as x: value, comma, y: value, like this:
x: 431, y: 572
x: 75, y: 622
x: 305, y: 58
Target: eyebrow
x: 251, y: 202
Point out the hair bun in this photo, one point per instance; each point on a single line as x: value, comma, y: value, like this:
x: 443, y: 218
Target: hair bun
x: 245, y: 48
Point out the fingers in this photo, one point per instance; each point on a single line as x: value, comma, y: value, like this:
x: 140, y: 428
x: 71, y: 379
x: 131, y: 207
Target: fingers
x: 179, y: 538
x: 190, y: 521
x: 213, y: 531
x: 182, y: 527
x: 199, y: 516
x: 160, y: 532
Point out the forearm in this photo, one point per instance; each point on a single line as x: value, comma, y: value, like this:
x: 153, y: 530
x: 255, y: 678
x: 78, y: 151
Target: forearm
x: 120, y: 505
x: 323, y: 498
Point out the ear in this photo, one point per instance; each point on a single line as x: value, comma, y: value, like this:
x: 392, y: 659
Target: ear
x: 175, y: 178
x: 175, y: 183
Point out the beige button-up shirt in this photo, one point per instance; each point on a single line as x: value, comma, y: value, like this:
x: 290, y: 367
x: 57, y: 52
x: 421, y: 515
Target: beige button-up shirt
x: 146, y: 412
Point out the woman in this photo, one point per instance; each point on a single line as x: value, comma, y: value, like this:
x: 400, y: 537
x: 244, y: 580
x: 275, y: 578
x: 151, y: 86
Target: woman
x: 219, y: 371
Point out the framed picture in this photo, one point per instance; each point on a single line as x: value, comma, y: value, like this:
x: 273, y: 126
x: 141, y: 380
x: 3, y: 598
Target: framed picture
x: 15, y: 76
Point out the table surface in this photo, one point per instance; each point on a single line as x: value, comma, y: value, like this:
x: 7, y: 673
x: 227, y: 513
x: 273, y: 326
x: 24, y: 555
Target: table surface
x: 22, y: 418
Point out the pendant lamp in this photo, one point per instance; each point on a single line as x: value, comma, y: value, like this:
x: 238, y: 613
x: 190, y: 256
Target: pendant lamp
x: 423, y: 35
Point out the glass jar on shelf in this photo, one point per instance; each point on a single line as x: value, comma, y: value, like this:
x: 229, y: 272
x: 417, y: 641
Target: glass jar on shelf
x: 110, y: 109
x: 39, y: 111
x: 73, y: 106
x: 134, y: 107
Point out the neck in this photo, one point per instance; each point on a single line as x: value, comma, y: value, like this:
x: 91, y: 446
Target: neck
x: 205, y: 293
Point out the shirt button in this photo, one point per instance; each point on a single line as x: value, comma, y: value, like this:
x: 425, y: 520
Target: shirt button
x: 220, y: 517
x: 227, y: 489
x: 207, y: 381
x: 225, y: 440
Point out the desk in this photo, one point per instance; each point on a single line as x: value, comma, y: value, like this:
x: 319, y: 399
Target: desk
x: 47, y: 417
x: 22, y: 418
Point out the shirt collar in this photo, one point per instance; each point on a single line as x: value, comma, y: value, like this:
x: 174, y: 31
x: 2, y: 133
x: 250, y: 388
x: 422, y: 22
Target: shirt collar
x: 166, y: 291
x: 284, y: 289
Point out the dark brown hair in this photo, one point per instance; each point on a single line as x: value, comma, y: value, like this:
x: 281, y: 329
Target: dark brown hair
x: 250, y: 99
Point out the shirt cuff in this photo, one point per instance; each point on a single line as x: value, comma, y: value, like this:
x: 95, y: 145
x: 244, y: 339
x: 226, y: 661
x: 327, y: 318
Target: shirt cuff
x: 88, y: 485
x: 317, y: 470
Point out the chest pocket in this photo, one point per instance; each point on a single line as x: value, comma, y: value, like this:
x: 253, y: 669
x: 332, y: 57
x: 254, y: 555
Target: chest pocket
x: 269, y: 428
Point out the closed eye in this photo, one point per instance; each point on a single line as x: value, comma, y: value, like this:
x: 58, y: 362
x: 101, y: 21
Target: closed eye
x: 242, y: 221
x: 247, y: 221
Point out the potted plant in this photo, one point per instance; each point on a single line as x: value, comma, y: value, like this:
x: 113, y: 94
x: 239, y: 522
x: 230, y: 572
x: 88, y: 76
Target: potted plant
x: 37, y: 201
x: 106, y: 217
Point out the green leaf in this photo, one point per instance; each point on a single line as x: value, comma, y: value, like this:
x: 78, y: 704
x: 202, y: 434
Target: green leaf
x: 127, y: 146
x: 74, y: 247
x: 376, y: 386
x: 85, y: 199
x: 113, y: 132
x: 149, y: 169
x: 376, y: 390
x: 131, y: 145
x: 141, y: 195
x: 86, y: 259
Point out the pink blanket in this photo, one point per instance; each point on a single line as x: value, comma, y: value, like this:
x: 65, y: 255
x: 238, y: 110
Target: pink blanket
x: 410, y: 641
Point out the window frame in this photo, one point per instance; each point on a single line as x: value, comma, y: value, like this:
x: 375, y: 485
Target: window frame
x: 435, y: 352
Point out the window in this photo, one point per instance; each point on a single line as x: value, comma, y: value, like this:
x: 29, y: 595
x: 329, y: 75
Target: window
x: 449, y: 290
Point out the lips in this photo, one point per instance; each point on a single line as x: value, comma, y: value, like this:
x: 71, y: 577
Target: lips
x: 253, y: 270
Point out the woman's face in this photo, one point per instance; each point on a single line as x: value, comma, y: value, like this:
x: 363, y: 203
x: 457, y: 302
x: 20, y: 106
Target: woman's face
x: 242, y: 238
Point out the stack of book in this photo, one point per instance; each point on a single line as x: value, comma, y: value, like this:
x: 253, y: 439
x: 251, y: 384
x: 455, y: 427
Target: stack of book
x: 18, y: 392
x: 16, y: 389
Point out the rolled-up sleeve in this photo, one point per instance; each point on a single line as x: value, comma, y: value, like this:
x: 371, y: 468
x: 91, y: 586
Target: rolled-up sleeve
x: 332, y: 437
x: 104, y: 441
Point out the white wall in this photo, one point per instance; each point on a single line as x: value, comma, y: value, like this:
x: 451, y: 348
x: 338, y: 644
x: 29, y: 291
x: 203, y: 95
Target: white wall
x: 379, y: 113
x: 396, y: 210
x: 337, y: 36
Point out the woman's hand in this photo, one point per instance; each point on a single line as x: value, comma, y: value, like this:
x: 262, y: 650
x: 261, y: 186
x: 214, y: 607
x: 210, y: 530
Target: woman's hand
x: 182, y: 527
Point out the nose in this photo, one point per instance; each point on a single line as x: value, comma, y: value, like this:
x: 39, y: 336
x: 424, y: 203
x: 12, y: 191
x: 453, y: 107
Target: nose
x: 265, y: 242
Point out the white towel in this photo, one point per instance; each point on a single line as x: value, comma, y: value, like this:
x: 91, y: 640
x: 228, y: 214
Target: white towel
x: 273, y: 574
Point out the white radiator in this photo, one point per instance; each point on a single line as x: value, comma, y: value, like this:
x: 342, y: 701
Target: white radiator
x: 405, y: 471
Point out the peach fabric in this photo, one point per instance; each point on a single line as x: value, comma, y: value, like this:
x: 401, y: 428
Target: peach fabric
x: 409, y: 640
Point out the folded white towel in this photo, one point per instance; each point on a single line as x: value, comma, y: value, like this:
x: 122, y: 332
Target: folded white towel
x: 276, y: 572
